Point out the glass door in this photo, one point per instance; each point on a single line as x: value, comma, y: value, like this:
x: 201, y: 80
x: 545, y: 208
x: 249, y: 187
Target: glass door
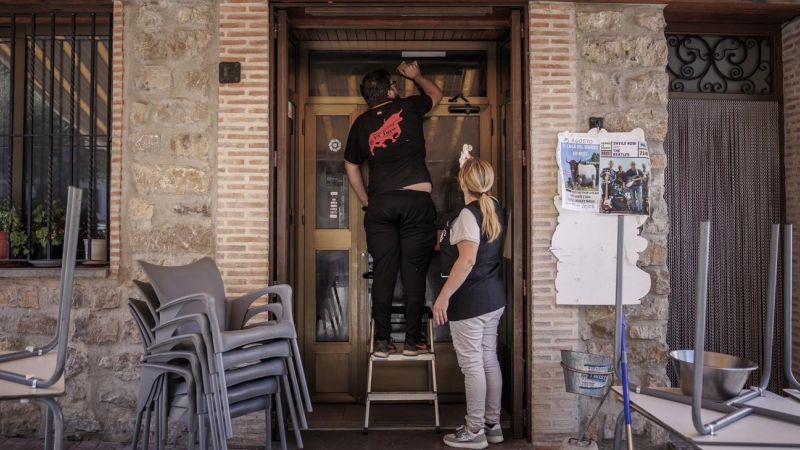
x: 331, y: 259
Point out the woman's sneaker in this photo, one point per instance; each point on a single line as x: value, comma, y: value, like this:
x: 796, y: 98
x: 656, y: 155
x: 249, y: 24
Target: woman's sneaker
x: 463, y: 438
x: 494, y: 434
x: 381, y: 348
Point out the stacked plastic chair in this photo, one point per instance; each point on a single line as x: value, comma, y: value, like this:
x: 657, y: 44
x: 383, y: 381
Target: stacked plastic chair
x: 205, y: 363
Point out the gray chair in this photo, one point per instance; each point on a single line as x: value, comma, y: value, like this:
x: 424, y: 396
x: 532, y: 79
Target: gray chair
x: 250, y: 389
x: 198, y: 288
x: 187, y: 326
x: 38, y: 374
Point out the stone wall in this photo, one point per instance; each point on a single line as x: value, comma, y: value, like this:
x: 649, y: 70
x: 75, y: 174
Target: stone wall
x: 791, y: 122
x: 164, y: 168
x: 594, y: 61
x: 622, y: 56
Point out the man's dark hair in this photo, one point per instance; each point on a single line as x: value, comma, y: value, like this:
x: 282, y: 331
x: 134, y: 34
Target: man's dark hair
x: 375, y: 87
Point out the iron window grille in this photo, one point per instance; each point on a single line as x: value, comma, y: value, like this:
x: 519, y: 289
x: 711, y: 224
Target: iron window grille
x: 55, y: 121
x: 707, y: 64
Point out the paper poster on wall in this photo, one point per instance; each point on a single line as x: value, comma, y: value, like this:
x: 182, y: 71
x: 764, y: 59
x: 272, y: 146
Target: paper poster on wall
x: 604, y: 172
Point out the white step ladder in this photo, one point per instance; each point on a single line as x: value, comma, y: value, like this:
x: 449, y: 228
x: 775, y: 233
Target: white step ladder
x: 428, y: 358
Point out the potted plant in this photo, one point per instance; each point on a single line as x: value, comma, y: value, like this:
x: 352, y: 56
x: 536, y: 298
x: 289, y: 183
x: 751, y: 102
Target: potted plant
x: 11, y: 231
x: 55, y: 233
x: 99, y: 246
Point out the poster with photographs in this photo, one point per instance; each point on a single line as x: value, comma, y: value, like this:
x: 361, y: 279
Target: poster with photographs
x: 605, y: 172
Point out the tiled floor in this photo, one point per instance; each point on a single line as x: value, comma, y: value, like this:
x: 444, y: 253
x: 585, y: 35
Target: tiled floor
x: 327, y: 440
x: 340, y: 426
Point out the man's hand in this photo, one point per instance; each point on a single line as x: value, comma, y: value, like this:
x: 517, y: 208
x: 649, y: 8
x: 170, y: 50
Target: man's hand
x: 409, y: 70
x: 440, y: 310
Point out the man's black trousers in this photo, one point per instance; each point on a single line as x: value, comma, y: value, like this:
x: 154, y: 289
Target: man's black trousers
x: 401, y: 235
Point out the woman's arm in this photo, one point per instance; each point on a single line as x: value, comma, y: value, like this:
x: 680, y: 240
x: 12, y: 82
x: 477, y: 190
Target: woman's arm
x: 467, y: 253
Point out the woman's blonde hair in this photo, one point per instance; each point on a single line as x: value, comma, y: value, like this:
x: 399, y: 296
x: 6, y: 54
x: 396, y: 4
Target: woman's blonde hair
x: 477, y: 176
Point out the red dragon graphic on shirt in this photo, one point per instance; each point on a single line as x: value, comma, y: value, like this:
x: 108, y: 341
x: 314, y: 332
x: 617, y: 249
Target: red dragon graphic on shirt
x: 390, y: 130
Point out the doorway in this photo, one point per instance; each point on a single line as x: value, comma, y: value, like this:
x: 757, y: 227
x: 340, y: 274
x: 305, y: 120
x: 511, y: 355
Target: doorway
x: 323, y: 253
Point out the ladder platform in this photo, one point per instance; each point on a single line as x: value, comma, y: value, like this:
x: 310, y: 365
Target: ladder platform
x: 400, y: 357
x: 401, y: 396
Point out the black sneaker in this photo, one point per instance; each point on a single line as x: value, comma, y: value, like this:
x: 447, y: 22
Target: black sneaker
x: 415, y: 349
x: 381, y: 348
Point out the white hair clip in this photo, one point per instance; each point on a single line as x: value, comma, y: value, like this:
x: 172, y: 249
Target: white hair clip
x: 464, y: 155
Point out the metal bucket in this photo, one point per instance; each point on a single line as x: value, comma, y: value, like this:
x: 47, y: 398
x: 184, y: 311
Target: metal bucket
x: 724, y: 376
x: 584, y: 373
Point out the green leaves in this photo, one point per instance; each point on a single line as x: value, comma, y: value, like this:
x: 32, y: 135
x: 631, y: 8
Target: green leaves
x: 58, y: 217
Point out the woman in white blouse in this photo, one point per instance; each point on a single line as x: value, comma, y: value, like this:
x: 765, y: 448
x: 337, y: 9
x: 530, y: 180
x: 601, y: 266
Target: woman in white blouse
x: 473, y: 300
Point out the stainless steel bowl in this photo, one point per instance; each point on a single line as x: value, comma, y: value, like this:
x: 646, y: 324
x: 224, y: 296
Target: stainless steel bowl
x: 724, y: 376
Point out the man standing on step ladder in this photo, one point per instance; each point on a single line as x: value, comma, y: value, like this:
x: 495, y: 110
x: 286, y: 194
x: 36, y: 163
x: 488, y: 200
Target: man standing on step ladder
x: 401, y: 218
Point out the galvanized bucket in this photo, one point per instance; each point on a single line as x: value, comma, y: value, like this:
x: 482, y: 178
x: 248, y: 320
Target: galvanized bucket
x: 584, y: 373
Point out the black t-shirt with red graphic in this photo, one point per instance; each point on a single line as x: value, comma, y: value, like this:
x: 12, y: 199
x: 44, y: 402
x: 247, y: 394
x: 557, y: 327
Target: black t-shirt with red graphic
x: 389, y: 137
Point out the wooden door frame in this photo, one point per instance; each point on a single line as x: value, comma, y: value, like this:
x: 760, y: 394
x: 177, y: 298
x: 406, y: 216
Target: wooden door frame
x: 521, y: 109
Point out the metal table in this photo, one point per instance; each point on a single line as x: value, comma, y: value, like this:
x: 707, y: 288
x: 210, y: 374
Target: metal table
x: 753, y: 432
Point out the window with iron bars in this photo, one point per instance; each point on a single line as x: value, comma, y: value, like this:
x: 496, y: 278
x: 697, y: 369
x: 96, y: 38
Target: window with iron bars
x: 55, y: 122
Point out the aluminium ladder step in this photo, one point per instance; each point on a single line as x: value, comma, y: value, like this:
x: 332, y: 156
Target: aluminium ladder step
x: 400, y: 357
x: 401, y: 395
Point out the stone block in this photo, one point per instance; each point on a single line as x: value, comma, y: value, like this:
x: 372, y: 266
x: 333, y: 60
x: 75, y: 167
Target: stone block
x: 153, y: 79
x: 19, y: 296
x: 642, y: 353
x: 138, y: 113
x: 649, y: 89
x: 43, y: 325
x: 603, y: 329
x: 105, y: 297
x: 600, y: 88
x: 197, y: 81
x: 117, y: 397
x: 652, y: 121
x: 658, y: 161
x: 155, y: 47
x: 80, y: 422
x: 202, y: 209
x: 20, y: 419
x: 140, y: 209
x: 147, y: 143
x: 96, y: 329
x: 168, y: 179
x: 659, y: 279
x: 130, y: 332
x: 183, y: 112
x: 651, y: 19
x: 149, y: 16
x: 626, y: 52
x: 600, y: 21
x: 124, y: 365
x: 76, y: 392
x: 9, y: 343
x: 647, y: 331
x: 652, y: 307
x: 196, y: 14
x: 192, y: 145
x: 656, y: 252
x: 176, y: 239
x: 77, y: 359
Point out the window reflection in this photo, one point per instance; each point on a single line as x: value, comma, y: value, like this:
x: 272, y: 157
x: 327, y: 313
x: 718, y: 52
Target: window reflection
x: 332, y: 287
x: 333, y: 187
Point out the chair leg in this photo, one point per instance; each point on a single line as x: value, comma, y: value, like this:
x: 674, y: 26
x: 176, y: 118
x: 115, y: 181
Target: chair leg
x: 298, y: 439
x: 147, y: 414
x: 135, y: 440
x: 48, y: 429
x: 226, y: 415
x: 58, y: 421
x: 301, y: 375
x: 268, y: 420
x: 279, y: 410
x: 296, y: 394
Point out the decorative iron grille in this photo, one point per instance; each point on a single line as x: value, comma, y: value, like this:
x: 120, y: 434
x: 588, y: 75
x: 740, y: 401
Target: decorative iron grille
x: 55, y: 119
x: 721, y: 64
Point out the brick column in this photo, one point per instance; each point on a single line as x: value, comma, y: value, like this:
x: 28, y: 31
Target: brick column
x: 242, y: 222
x: 791, y: 123
x: 553, y: 79
x: 116, y: 137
